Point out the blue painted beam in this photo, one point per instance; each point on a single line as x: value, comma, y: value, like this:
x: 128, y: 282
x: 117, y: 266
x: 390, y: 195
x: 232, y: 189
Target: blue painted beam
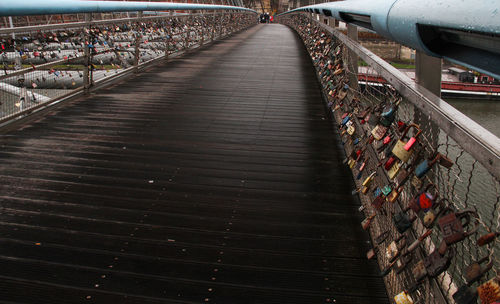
x: 464, y: 32
x: 48, y: 7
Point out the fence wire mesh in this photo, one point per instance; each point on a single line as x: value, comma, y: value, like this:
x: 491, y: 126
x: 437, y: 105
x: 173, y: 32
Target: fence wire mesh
x: 372, y: 117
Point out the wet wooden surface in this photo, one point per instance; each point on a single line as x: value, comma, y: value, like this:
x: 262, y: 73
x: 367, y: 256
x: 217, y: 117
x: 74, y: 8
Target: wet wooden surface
x: 213, y: 178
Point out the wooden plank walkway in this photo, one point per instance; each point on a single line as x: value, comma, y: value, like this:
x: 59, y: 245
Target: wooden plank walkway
x: 214, y: 178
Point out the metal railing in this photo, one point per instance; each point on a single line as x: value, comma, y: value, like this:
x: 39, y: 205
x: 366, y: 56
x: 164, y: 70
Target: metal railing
x: 45, y: 63
x: 463, y: 32
x: 399, y: 194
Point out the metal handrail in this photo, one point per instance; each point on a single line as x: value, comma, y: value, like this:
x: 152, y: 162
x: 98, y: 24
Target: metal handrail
x: 34, y: 7
x: 463, y: 32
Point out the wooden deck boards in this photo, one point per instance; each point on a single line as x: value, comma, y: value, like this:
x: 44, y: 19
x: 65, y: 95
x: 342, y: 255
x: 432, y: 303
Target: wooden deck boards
x: 214, y: 178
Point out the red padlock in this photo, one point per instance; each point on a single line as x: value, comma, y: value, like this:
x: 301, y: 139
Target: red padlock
x: 424, y: 199
x: 387, y: 140
x: 389, y: 163
x: 412, y: 141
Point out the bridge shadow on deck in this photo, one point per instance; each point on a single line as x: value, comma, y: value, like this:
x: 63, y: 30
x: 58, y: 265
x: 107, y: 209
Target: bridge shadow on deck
x: 214, y: 178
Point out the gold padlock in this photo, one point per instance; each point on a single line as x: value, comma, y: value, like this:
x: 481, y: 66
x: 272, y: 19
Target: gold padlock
x: 391, y: 198
x: 365, y: 189
x: 399, y: 149
x: 351, y: 129
x: 369, y: 179
x: 394, y: 170
x: 416, y: 182
x: 403, y: 298
x: 351, y: 163
x: 379, y: 131
x: 391, y: 251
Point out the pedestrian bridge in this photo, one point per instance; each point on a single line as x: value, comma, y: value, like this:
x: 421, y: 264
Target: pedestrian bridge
x: 203, y: 158
x: 214, y: 177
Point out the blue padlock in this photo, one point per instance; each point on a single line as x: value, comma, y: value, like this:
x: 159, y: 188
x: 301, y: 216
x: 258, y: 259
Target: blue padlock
x: 345, y: 120
x: 422, y: 168
x: 426, y: 165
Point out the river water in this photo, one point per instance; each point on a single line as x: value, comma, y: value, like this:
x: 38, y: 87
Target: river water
x: 484, y: 112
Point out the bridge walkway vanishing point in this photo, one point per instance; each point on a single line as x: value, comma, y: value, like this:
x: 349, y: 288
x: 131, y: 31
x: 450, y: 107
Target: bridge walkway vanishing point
x: 214, y: 178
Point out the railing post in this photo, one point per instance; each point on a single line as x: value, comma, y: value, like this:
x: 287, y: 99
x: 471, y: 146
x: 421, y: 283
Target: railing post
x: 167, y: 41
x: 352, y: 32
x: 219, y: 31
x: 428, y: 74
x: 202, y: 30
x: 187, y: 33
x: 86, y: 56
x: 138, y: 39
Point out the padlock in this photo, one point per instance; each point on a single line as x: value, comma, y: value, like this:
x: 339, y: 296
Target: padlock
x: 474, y: 271
x: 369, y: 179
x: 389, y: 163
x: 367, y: 221
x: 365, y: 189
x: 386, y: 190
x: 389, y: 114
x: 438, y: 261
x: 419, y: 271
x: 393, y: 172
x: 378, y: 132
x: 429, y: 218
x: 394, y: 248
x: 402, y: 177
x: 487, y: 238
x: 387, y: 140
x: 452, y: 225
x: 489, y: 292
x: 432, y: 214
x: 427, y: 164
x: 403, y: 298
x: 382, y: 145
x: 403, y: 221
x: 351, y: 163
x: 359, y: 153
x: 424, y: 167
x: 424, y: 200
x: 351, y: 129
x: 371, y: 253
x: 416, y: 182
x: 402, y: 149
x: 378, y: 202
x: 465, y: 295
x: 402, y: 262
x: 360, y: 169
x: 391, y: 198
x: 364, y: 113
x: 444, y: 161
